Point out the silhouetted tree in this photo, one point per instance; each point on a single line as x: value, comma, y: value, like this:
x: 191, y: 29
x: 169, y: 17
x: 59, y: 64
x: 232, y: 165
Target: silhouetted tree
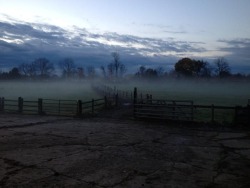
x: 80, y: 72
x: 111, y: 70
x: 14, y: 73
x: 28, y: 70
x: 103, y: 71
x: 145, y: 73
x: 185, y: 67
x: 122, y: 69
x: 160, y: 71
x: 116, y: 62
x: 68, y: 67
x: 91, y: 71
x: 189, y: 67
x: 115, y: 68
x: 141, y: 71
x: 222, y: 68
x: 151, y: 73
x: 206, y: 70
x: 24, y: 69
x: 44, y: 67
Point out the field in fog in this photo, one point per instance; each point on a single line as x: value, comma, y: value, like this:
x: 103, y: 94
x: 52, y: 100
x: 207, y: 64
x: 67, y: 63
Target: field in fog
x: 201, y: 92
x: 47, y: 90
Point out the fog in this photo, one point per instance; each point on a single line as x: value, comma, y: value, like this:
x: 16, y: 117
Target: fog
x: 63, y: 90
x: 206, y: 92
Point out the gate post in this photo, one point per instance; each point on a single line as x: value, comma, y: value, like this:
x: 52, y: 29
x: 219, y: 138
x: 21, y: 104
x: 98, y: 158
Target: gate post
x: 192, y: 111
x: 116, y: 100
x: 93, y: 104
x: 135, y: 95
x: 212, y: 108
x: 20, y: 104
x: 1, y: 104
x: 79, y: 108
x: 105, y: 102
x: 40, y: 106
x: 135, y: 101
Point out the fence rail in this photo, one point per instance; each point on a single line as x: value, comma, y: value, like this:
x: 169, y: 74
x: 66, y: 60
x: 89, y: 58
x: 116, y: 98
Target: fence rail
x: 164, y: 109
x: 54, y: 107
x: 185, y: 110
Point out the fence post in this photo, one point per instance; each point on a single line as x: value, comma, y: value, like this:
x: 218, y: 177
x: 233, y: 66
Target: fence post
x: 173, y: 112
x: 79, y: 108
x: 59, y: 107
x: 1, y: 104
x: 20, y: 104
x: 236, y: 118
x: 192, y: 111
x: 105, y: 102
x: 93, y: 105
x: 212, y: 108
x: 135, y: 95
x: 135, y: 101
x: 116, y: 100
x: 3, y: 101
x: 248, y: 113
x: 40, y: 106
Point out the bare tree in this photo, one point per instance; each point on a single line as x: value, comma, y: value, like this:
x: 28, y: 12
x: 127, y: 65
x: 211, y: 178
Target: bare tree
x: 44, y: 67
x: 222, y: 68
x: 28, y: 69
x: 91, y: 71
x: 103, y: 71
x: 160, y: 71
x: 80, y: 72
x: 68, y: 67
x: 116, y: 62
x: 115, y: 68
x: 111, y: 70
x: 122, y: 69
x: 24, y: 69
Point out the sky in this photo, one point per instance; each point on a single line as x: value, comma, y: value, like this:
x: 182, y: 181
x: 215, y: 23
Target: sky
x: 144, y: 32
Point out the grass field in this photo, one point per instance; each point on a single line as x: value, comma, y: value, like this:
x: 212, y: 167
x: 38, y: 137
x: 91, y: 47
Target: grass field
x: 218, y: 93
x: 201, y: 92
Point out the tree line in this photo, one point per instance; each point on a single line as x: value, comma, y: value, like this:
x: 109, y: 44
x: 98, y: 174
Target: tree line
x: 42, y: 68
x: 191, y: 68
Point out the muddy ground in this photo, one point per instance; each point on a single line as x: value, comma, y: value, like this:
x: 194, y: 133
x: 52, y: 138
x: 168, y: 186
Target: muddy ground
x: 40, y: 151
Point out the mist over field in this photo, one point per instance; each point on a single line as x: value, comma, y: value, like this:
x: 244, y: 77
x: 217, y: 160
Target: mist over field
x: 63, y: 90
x: 201, y: 92
x: 205, y: 92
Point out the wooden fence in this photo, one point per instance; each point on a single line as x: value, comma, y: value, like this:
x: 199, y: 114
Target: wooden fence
x: 54, y: 107
x: 150, y: 108
x: 113, y: 93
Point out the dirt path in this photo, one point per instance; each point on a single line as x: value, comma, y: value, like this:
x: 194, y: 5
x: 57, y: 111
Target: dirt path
x: 40, y: 151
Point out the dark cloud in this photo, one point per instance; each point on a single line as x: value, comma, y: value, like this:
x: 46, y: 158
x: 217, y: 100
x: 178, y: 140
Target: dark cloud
x: 238, y: 47
x: 238, y: 53
x: 21, y: 41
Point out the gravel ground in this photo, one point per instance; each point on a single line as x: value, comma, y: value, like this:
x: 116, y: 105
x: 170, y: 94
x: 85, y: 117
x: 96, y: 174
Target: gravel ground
x: 51, y: 151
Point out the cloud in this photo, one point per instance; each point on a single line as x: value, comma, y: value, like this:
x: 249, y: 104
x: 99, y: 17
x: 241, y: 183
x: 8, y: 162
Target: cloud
x: 238, y: 49
x: 238, y: 55
x: 22, y: 41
